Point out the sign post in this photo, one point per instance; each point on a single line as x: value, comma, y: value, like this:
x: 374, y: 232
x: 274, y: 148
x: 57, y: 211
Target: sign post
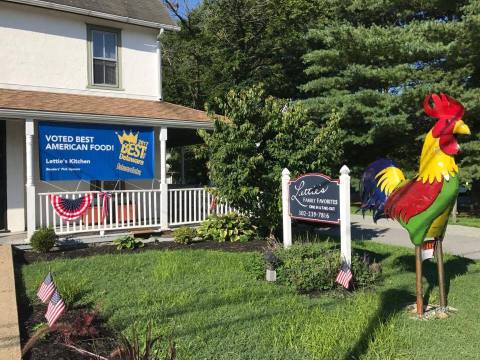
x: 287, y: 221
x: 345, y: 229
x: 318, y: 198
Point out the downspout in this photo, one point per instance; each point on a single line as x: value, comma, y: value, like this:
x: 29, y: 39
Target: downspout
x: 159, y: 55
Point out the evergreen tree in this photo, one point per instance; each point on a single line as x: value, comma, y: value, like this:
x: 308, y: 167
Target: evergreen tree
x: 374, y: 61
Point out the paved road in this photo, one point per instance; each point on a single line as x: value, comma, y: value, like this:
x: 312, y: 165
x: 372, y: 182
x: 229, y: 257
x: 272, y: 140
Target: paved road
x: 459, y: 240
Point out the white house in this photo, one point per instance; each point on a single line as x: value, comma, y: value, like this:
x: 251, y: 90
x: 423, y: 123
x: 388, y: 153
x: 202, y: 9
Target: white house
x: 77, y: 65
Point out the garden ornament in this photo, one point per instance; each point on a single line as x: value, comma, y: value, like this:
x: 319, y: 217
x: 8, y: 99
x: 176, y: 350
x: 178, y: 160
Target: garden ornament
x: 422, y: 205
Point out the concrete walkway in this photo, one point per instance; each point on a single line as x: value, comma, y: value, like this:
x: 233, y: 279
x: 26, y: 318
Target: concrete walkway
x: 459, y: 240
x: 9, y: 329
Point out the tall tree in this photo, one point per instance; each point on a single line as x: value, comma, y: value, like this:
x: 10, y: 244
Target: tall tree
x: 374, y: 61
x: 232, y: 44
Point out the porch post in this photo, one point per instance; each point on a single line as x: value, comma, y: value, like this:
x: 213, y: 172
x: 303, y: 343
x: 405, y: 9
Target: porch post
x: 29, y: 185
x: 163, y: 179
x: 182, y: 164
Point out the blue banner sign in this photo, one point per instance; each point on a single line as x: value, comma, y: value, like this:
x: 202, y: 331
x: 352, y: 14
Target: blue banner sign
x: 69, y: 151
x: 315, y: 197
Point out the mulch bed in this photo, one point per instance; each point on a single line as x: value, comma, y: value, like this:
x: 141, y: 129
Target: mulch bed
x: 28, y: 257
x: 52, y: 346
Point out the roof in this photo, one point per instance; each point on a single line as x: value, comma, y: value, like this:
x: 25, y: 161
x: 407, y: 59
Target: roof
x: 49, y: 105
x: 150, y: 13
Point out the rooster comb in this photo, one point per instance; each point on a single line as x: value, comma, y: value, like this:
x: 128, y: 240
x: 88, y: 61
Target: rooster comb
x: 445, y: 107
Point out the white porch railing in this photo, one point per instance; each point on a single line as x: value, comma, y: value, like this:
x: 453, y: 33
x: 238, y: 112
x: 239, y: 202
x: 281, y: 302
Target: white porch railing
x: 130, y: 209
x: 192, y: 206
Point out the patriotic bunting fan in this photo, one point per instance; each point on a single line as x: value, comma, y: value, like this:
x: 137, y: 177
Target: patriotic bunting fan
x: 70, y: 209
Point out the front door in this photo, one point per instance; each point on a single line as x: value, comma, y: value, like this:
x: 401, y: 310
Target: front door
x: 3, y: 176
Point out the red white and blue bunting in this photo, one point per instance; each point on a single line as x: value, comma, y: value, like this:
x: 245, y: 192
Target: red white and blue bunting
x: 70, y: 209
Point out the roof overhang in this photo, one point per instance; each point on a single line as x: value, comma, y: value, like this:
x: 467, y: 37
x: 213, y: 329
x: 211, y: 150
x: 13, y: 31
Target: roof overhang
x: 104, y: 119
x: 101, y: 15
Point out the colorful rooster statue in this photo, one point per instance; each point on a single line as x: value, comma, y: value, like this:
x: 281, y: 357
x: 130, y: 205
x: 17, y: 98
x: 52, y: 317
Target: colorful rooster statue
x: 422, y: 205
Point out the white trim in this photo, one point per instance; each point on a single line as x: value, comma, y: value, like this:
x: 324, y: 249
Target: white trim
x: 106, y: 119
x: 75, y: 10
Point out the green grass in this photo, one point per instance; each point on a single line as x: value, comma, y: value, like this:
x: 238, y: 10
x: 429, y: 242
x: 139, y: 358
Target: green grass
x: 462, y: 219
x: 466, y: 221
x: 218, y: 311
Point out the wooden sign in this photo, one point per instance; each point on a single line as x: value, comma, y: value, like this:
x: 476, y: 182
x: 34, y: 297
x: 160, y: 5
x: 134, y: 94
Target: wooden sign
x: 315, y: 197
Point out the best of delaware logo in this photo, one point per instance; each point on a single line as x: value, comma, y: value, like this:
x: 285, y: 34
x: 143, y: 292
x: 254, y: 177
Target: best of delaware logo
x: 132, y: 151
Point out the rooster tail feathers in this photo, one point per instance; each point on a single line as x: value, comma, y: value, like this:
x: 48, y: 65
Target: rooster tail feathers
x: 379, y: 180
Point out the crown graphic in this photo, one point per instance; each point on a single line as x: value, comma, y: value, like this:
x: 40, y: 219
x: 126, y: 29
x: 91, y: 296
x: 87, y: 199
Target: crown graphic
x: 130, y: 138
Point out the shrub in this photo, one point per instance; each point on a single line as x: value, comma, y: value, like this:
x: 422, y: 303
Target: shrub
x: 231, y: 227
x: 314, y: 267
x: 43, y: 239
x: 128, y: 242
x: 184, y: 235
x: 84, y: 326
x: 248, y: 151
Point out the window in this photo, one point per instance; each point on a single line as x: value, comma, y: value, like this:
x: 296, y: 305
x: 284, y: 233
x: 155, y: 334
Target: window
x: 104, y: 46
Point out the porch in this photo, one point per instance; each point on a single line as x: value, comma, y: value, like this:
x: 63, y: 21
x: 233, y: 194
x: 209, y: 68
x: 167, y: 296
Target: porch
x: 156, y: 204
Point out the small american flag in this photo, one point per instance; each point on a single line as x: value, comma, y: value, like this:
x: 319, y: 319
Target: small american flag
x: 345, y: 276
x: 428, y: 249
x: 46, y: 289
x: 56, y: 307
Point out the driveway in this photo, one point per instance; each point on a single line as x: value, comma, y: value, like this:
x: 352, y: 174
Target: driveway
x: 459, y: 240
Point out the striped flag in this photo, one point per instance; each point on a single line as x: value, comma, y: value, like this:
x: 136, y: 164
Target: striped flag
x: 428, y: 249
x: 56, y: 307
x: 345, y: 276
x: 46, y: 289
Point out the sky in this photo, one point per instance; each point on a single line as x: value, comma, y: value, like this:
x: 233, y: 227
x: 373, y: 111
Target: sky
x: 188, y: 3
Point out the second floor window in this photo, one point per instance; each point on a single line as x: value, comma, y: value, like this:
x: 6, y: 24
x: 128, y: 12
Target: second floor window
x: 104, y: 59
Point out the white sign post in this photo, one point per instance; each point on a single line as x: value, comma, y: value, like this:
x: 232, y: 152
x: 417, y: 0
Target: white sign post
x: 287, y: 221
x: 345, y: 230
x: 344, y: 204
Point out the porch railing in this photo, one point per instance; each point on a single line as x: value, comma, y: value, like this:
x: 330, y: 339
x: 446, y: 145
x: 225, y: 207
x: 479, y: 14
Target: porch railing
x: 131, y: 209
x: 192, y: 206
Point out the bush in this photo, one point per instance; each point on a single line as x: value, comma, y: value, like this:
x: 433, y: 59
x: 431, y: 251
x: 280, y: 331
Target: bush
x: 184, y: 235
x: 128, y: 242
x: 43, y: 239
x: 231, y: 227
x: 314, y: 267
x: 248, y: 151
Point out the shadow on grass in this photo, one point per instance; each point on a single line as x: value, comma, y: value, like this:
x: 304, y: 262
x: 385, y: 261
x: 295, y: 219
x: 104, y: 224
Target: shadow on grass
x: 328, y: 232
x: 392, y: 302
x: 454, y: 266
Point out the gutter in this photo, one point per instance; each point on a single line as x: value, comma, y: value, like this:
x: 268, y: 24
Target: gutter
x: 105, y: 119
x: 97, y: 14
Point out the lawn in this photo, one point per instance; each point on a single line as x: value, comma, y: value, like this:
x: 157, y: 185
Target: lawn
x: 217, y: 310
x: 462, y: 219
x: 466, y: 220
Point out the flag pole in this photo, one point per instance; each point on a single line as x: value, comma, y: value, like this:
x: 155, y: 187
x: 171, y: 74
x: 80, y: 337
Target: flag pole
x: 441, y: 274
x: 418, y: 268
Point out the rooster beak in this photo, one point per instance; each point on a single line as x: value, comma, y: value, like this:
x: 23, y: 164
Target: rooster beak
x: 461, y: 128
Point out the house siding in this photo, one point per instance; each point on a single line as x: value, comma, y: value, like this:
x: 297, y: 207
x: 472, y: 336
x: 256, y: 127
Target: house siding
x: 46, y: 50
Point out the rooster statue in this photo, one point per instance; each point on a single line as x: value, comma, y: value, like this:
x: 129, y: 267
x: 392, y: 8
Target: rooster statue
x: 422, y: 205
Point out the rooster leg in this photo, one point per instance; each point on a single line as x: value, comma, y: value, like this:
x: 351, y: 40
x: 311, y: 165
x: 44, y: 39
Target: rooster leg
x: 441, y: 274
x: 418, y: 268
